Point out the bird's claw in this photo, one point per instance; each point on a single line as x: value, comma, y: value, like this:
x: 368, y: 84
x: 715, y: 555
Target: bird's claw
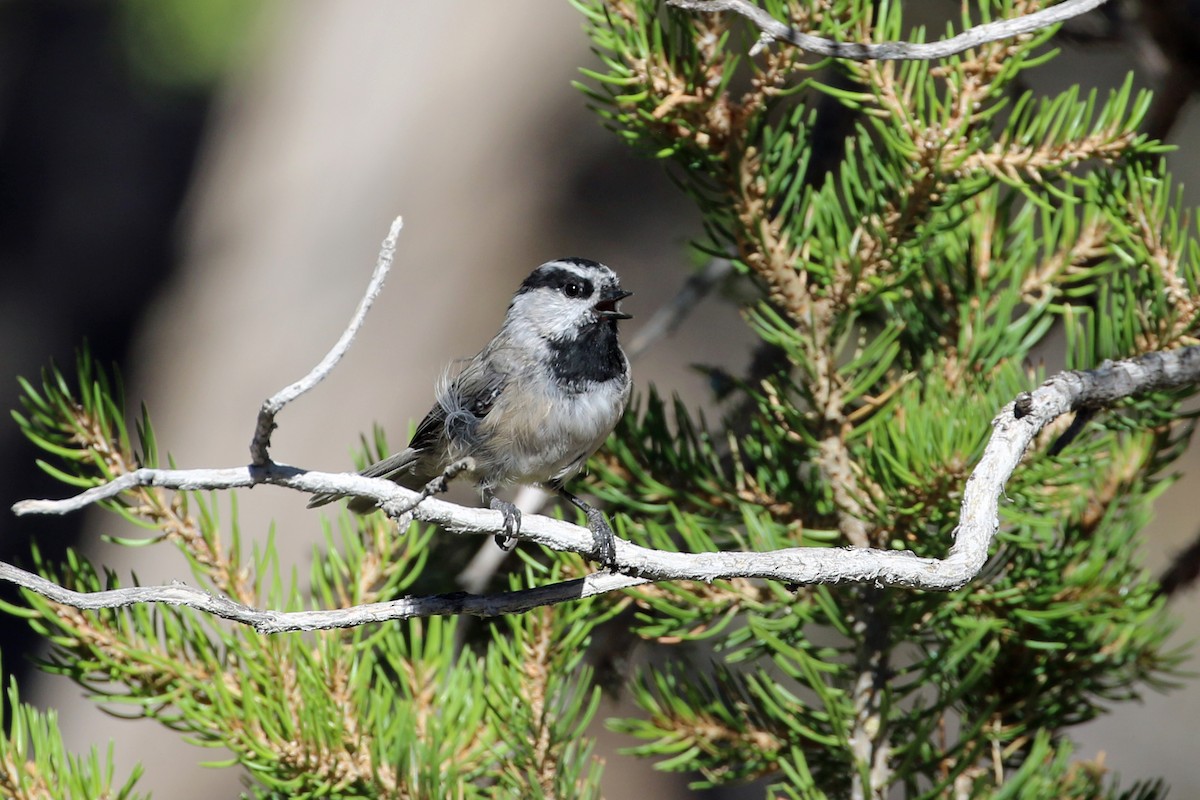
x: 606, y: 542
x: 506, y: 541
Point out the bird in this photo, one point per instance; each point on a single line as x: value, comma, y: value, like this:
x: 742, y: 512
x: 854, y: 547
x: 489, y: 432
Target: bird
x: 532, y: 406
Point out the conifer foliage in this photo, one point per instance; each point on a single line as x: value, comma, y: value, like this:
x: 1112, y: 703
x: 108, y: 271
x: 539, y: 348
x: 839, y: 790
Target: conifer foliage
x: 917, y: 231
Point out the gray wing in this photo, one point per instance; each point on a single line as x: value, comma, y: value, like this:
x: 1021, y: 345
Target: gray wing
x: 465, y: 401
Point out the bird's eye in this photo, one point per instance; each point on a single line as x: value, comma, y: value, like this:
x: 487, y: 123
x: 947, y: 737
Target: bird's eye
x: 575, y: 287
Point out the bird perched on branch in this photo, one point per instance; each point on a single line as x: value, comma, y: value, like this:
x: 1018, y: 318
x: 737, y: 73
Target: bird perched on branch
x: 533, y: 405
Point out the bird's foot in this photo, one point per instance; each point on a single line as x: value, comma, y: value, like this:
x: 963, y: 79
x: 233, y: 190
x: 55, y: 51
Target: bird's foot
x: 606, y: 542
x: 441, y: 484
x: 512, y: 523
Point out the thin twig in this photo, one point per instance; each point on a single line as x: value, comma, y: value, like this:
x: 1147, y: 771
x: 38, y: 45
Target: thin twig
x: 265, y: 425
x: 774, y: 30
x: 978, y: 521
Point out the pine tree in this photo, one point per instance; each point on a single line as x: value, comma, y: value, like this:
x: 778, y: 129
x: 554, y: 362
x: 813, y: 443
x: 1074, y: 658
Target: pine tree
x: 953, y: 223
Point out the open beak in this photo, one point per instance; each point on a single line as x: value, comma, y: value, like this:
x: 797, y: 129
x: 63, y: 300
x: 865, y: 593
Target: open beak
x: 607, y: 307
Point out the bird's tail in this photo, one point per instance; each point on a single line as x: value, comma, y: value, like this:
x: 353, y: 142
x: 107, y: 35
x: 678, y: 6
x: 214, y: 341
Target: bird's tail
x: 395, y: 467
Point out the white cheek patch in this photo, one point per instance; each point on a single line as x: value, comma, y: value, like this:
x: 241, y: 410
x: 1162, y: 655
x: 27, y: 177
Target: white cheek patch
x: 548, y: 315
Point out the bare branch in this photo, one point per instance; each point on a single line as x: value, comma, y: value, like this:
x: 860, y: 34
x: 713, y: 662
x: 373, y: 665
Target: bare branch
x: 284, y: 621
x: 774, y: 30
x: 978, y: 520
x: 265, y: 425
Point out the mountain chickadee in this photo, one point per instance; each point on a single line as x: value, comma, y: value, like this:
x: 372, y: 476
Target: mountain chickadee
x: 533, y: 405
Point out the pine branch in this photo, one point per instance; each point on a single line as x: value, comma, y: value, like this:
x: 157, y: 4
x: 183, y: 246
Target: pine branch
x: 774, y: 30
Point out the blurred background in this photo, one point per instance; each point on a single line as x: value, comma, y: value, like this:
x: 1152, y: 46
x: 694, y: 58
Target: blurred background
x: 198, y: 188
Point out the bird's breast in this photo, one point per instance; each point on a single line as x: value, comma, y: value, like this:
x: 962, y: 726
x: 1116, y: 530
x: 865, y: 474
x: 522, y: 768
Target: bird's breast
x: 548, y: 435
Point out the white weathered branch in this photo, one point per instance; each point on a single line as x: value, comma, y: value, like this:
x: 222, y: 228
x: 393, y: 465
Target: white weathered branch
x: 266, y: 621
x: 1014, y: 429
x: 265, y: 425
x: 774, y: 30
